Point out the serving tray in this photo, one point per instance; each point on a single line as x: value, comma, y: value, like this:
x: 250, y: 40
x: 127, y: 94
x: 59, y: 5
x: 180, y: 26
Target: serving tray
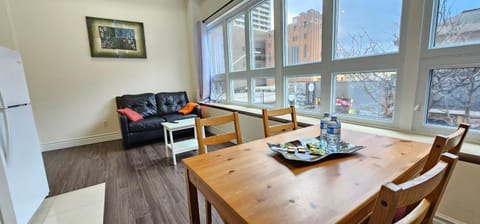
x: 309, y: 150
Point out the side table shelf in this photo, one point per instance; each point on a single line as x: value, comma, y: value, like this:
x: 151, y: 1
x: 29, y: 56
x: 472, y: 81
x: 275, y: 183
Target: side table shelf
x: 181, y: 146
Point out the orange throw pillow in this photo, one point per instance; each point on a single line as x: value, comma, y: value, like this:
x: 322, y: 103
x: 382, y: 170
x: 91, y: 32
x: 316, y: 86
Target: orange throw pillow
x: 131, y: 114
x: 188, y: 108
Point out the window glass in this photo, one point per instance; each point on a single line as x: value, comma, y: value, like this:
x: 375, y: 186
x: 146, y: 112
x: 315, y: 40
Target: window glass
x: 457, y: 23
x: 264, y: 91
x: 236, y: 44
x: 454, y: 97
x: 366, y: 28
x: 262, y: 28
x: 240, y: 90
x: 219, y: 89
x: 370, y: 94
x: 304, y: 18
x: 304, y: 92
x: 216, y: 50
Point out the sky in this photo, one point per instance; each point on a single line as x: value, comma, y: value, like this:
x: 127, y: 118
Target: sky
x: 376, y: 17
x: 458, y: 6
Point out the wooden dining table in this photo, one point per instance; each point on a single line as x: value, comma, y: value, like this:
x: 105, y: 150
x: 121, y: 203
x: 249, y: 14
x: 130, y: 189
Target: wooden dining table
x: 249, y: 183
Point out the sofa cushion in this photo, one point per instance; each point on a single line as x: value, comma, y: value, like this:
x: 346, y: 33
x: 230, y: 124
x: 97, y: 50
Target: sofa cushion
x: 144, y: 104
x: 188, y: 108
x: 131, y: 114
x: 171, y: 102
x: 151, y: 123
x: 177, y: 116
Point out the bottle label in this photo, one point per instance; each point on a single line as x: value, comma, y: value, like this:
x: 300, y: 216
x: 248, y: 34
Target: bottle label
x: 332, y: 130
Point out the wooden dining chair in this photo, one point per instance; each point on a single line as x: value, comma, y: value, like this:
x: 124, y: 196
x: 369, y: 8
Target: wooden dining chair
x: 203, y: 141
x: 269, y: 129
x: 451, y: 143
x: 201, y: 123
x: 426, y: 190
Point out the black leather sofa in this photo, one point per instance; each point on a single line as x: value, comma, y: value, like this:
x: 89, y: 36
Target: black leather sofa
x: 155, y: 109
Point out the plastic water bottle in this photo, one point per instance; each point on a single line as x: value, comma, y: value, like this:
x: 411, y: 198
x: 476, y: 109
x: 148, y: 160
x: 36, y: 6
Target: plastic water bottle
x: 333, y: 134
x: 323, y: 129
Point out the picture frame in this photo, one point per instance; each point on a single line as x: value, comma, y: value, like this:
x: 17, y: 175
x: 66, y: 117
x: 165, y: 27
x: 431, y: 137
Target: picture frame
x: 112, y: 38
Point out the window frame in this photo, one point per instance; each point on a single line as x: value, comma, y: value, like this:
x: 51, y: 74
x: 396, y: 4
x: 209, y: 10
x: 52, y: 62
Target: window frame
x: 437, y: 58
x: 411, y: 63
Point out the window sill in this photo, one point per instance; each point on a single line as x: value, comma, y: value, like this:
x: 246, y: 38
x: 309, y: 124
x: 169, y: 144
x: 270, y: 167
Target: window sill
x: 470, y: 152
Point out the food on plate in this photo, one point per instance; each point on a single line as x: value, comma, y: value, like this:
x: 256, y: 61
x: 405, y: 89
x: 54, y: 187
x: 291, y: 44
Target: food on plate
x: 317, y: 151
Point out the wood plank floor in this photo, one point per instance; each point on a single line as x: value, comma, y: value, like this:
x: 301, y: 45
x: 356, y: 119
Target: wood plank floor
x: 142, y: 184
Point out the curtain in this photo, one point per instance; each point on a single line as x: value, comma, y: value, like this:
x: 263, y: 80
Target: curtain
x: 205, y: 83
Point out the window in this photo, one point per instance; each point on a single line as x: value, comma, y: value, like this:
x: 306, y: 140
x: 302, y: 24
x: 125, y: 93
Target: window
x: 262, y: 35
x: 304, y: 93
x: 218, y: 91
x: 236, y: 44
x: 448, y: 90
x: 359, y: 32
x: 217, y: 59
x: 297, y: 14
x: 457, y: 23
x: 240, y: 90
x: 304, y: 51
x: 264, y: 91
x: 215, y: 44
x: 454, y: 97
x: 369, y: 94
x: 360, y: 61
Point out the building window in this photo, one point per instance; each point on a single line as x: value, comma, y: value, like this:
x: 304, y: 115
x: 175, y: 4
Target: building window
x: 304, y: 52
x: 456, y: 23
x: 304, y: 24
x: 262, y: 35
x: 367, y: 94
x: 236, y: 43
x: 294, y: 55
x: 298, y: 12
x: 304, y: 93
x: 264, y: 91
x: 358, y: 35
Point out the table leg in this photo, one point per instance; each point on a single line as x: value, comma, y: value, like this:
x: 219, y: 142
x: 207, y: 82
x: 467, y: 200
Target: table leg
x: 165, y: 139
x: 192, y: 199
x: 173, y: 150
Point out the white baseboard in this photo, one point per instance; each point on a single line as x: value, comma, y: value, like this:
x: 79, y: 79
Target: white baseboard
x: 445, y: 219
x: 80, y: 141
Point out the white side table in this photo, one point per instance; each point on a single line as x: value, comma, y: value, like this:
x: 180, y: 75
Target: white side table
x: 182, y: 146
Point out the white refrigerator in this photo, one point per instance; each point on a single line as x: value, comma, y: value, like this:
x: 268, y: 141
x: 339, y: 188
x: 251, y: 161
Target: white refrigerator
x: 23, y: 181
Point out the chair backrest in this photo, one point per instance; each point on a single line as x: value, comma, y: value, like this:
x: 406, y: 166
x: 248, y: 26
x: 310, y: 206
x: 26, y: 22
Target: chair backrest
x: 426, y: 190
x: 452, y: 144
x: 292, y: 125
x: 203, y: 141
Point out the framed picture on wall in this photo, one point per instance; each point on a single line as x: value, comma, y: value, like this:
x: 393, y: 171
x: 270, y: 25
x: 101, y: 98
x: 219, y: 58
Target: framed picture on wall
x: 116, y: 38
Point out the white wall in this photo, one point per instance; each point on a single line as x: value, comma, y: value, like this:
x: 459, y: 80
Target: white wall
x: 73, y: 93
x: 6, y: 32
x: 461, y: 198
